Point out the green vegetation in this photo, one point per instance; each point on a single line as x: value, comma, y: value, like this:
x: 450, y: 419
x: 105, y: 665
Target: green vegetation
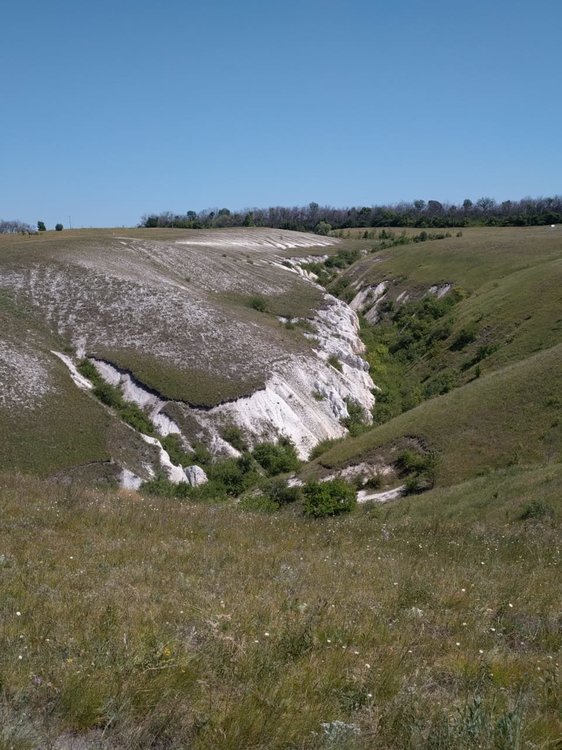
x: 111, y: 396
x: 418, y: 624
x: 335, y: 362
x: 277, y: 458
x: 257, y: 302
x: 330, y: 498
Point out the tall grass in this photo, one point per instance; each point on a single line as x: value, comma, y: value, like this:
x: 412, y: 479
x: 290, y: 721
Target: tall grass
x: 141, y: 622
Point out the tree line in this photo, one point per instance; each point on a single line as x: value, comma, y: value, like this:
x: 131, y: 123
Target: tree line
x: 20, y: 227
x: 418, y: 213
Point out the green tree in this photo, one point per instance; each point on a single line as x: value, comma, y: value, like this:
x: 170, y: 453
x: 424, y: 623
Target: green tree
x: 41, y: 226
x: 58, y: 227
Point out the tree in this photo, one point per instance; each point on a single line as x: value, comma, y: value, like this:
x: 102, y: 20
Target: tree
x: 58, y: 227
x: 41, y: 226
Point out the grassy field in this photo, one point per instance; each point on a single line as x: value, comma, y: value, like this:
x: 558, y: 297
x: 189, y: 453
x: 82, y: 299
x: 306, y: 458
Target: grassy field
x: 429, y: 623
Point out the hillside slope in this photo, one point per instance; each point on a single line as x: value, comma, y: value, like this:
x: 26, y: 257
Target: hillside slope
x: 205, y: 330
x: 464, y: 339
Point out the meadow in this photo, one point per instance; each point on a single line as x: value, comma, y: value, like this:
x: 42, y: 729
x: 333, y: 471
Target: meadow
x: 139, y: 622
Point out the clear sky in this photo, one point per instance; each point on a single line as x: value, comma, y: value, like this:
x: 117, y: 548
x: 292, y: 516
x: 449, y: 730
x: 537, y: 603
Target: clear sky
x: 115, y: 108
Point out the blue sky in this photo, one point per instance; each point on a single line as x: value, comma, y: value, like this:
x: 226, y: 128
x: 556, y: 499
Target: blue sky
x: 117, y: 108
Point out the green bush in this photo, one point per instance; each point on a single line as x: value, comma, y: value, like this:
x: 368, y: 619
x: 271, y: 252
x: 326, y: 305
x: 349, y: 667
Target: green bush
x: 328, y: 498
x: 322, y: 447
x: 356, y: 420
x: 279, y: 492
x: 257, y: 302
x: 234, y: 475
x: 172, y: 444
x: 277, y: 459
x: 234, y: 435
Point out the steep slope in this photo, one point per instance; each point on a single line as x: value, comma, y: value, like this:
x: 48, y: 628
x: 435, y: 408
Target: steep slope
x: 463, y: 337
x: 205, y: 329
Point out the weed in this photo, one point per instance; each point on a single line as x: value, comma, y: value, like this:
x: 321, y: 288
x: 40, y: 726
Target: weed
x: 335, y: 362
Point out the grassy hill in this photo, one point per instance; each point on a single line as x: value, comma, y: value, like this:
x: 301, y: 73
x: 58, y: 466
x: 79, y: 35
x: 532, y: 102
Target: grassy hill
x: 475, y: 375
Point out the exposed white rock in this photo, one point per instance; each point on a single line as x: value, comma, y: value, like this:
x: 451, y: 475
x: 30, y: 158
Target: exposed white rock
x: 142, y: 397
x: 77, y: 378
x: 363, y: 496
x: 174, y: 473
x: 287, y: 406
x: 440, y: 290
x: 365, y: 470
x: 195, y: 475
x: 129, y: 480
x: 368, y: 296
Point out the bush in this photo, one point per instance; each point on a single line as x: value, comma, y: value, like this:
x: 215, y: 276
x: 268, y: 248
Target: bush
x: 279, y: 492
x: 234, y: 475
x: 277, y: 459
x: 356, y: 420
x: 257, y: 302
x: 322, y: 447
x: 536, y: 511
x: 330, y: 498
x: 172, y: 444
x: 59, y: 227
x: 234, y: 435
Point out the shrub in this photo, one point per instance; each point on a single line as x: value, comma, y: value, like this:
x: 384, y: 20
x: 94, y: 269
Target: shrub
x: 172, y: 444
x: 234, y: 475
x: 277, y: 459
x: 328, y: 498
x: 466, y: 336
x: 257, y: 302
x: 41, y: 226
x: 322, y: 447
x: 536, y: 510
x: 234, y: 435
x: 356, y: 420
x: 279, y: 492
x: 59, y: 227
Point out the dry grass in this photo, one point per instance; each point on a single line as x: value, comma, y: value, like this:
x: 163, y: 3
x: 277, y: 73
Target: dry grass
x: 432, y: 623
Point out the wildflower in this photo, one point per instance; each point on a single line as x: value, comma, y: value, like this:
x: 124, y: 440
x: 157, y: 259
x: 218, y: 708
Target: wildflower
x: 480, y: 651
x: 367, y: 666
x: 511, y: 605
x: 266, y: 634
x: 457, y: 643
x: 18, y: 614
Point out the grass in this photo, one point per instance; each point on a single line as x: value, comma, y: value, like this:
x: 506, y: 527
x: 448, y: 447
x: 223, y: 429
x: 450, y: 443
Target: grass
x: 415, y: 625
x: 509, y: 416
